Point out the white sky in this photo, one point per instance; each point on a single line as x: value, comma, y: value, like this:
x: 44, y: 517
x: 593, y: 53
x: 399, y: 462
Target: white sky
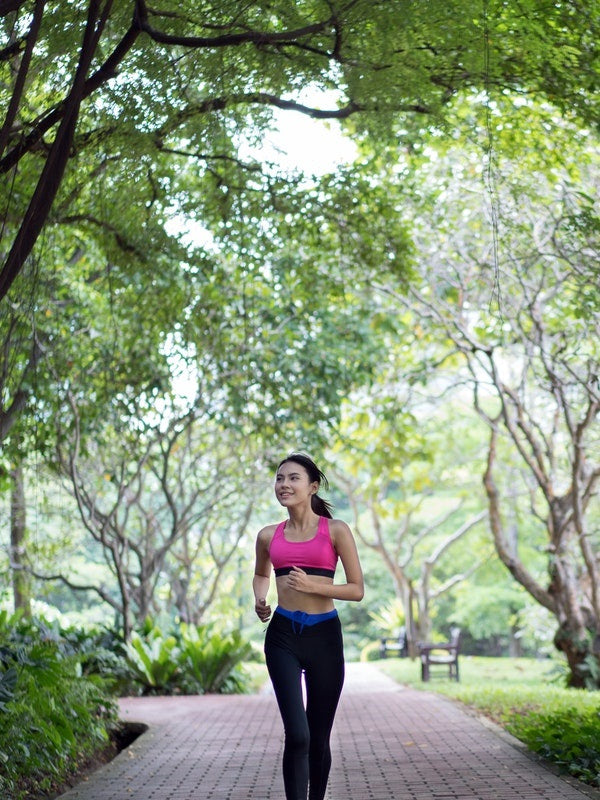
x: 313, y: 146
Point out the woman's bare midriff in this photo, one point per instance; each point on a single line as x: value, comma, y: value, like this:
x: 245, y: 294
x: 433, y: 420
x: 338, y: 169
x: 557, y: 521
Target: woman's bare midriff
x: 292, y: 600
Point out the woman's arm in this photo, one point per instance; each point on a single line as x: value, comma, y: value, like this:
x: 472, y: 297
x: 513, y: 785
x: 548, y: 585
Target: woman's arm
x: 262, y: 575
x: 354, y: 588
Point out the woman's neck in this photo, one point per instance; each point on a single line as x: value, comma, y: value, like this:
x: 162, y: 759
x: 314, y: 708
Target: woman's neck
x: 302, y: 520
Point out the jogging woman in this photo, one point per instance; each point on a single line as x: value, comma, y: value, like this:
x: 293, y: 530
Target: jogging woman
x: 304, y: 635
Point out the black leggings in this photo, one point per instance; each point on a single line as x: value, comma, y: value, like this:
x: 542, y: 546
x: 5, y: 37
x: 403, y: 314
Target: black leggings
x: 316, y: 650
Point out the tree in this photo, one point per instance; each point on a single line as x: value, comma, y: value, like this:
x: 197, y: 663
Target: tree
x: 410, y: 489
x: 163, y: 499
x: 143, y: 136
x: 181, y: 73
x: 530, y: 354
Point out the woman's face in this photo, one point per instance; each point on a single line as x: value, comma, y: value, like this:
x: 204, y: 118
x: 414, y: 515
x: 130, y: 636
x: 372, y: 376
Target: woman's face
x: 293, y: 485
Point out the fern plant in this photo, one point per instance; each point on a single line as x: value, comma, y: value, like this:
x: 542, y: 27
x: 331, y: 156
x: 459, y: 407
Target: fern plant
x: 154, y: 660
x: 210, y: 661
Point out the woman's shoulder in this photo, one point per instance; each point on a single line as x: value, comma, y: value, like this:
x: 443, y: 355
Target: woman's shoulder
x: 338, y: 524
x: 337, y: 527
x: 266, y: 534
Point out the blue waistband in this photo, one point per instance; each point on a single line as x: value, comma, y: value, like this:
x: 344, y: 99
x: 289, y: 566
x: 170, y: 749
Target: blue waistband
x: 303, y: 619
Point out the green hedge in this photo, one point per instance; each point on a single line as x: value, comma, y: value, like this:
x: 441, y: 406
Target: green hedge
x: 570, y: 739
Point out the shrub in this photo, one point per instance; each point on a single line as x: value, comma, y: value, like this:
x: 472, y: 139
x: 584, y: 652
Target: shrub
x: 370, y: 652
x: 153, y: 659
x: 52, y: 718
x: 569, y: 738
x: 210, y: 662
x: 190, y: 659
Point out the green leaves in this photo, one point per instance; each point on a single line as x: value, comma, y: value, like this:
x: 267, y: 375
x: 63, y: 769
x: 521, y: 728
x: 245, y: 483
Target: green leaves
x: 153, y: 659
x: 194, y: 659
x: 8, y: 683
x: 50, y: 717
x: 209, y: 659
x: 567, y: 737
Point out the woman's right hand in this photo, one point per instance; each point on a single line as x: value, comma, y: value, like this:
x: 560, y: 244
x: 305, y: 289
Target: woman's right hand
x: 262, y: 609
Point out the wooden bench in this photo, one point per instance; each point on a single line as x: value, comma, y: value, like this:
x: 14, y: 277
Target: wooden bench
x: 440, y: 654
x: 397, y: 645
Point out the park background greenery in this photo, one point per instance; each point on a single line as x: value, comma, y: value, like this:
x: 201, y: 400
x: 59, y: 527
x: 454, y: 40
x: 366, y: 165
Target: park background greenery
x: 181, y: 305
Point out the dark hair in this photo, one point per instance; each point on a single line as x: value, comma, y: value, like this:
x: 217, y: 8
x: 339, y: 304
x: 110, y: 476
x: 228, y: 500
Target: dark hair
x: 318, y: 505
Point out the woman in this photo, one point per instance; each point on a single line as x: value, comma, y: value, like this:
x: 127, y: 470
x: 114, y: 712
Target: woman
x: 304, y: 635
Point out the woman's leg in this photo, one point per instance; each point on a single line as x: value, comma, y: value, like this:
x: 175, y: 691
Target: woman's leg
x: 324, y: 681
x: 285, y: 671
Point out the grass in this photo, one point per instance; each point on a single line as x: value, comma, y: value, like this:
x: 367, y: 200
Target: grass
x: 524, y: 697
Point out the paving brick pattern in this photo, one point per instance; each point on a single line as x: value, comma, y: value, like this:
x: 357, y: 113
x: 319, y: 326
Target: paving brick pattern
x: 388, y: 742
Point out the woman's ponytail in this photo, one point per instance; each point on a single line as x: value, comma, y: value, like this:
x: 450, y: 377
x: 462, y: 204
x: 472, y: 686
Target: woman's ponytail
x: 321, y: 507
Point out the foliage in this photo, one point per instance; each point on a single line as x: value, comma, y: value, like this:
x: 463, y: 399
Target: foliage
x: 256, y: 676
x: 205, y: 78
x: 560, y: 724
x: 496, y: 308
x: 209, y: 660
x: 390, y: 618
x: 171, y: 251
x: 408, y: 466
x: 164, y: 501
x: 370, y: 652
x: 488, y: 614
x: 56, y: 709
x: 192, y: 659
x: 153, y: 660
x: 51, y: 717
x: 567, y: 737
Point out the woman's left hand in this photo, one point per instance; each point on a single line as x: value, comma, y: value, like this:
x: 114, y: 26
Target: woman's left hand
x: 299, y: 580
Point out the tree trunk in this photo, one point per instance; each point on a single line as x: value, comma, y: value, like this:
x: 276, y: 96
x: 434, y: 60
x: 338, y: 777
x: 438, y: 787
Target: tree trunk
x: 583, y: 656
x: 18, y: 539
x: 578, y: 624
x: 570, y: 593
x: 515, y: 648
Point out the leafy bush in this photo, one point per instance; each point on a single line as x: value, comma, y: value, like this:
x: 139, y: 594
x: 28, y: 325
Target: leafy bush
x: 569, y: 738
x: 370, y: 652
x: 52, y: 718
x: 390, y: 619
x: 153, y: 659
x: 192, y: 659
x: 209, y: 662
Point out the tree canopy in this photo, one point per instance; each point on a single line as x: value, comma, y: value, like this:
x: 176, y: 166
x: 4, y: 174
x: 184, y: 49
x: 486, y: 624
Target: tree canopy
x: 189, y: 79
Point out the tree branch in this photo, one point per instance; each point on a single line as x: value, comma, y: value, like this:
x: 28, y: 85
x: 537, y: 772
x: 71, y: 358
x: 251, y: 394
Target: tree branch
x: 459, y: 577
x: 19, y: 86
x: 76, y: 587
x: 55, y: 164
x: 228, y: 39
x: 446, y: 543
x: 7, y: 6
x: 513, y: 564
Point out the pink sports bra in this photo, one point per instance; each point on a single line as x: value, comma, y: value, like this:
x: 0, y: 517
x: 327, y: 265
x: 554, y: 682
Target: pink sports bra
x: 316, y: 556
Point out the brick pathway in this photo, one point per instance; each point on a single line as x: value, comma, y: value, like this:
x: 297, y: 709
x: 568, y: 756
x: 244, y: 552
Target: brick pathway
x: 388, y: 742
